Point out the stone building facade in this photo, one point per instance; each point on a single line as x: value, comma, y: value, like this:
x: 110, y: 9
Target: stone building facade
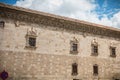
x: 41, y: 46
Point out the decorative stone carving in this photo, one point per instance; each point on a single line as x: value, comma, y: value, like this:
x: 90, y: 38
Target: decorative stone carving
x: 31, y: 32
x: 113, y: 44
x: 31, y: 36
x: 94, y: 42
x: 74, y: 40
x: 53, y: 21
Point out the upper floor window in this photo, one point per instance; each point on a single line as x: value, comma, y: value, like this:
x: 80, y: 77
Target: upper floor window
x: 74, y: 46
x: 94, y: 47
x: 2, y: 23
x: 31, y: 39
x: 95, y: 69
x: 74, y: 69
x: 113, y: 51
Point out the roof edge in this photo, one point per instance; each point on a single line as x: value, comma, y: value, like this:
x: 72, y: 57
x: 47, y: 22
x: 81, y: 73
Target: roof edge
x: 58, y: 16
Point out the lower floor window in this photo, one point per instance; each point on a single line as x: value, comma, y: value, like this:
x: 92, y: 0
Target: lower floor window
x: 74, y: 69
x: 95, y: 69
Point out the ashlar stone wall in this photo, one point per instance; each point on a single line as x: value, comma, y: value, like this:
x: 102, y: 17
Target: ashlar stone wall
x: 52, y: 60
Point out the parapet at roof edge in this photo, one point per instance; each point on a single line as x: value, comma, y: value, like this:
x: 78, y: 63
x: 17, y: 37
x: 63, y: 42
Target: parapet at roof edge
x: 58, y: 17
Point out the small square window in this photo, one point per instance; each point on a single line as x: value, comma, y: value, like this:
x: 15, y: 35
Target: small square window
x: 113, y: 51
x: 2, y: 24
x: 32, y: 41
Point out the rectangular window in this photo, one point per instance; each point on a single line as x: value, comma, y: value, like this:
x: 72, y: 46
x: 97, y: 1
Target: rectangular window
x: 74, y: 46
x: 2, y: 24
x: 94, y: 49
x: 74, y: 69
x: 95, y: 70
x: 113, y: 51
x: 32, y: 41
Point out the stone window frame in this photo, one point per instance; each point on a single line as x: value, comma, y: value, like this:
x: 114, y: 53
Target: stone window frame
x: 30, y: 34
x: 111, y: 51
x: 95, y: 70
x: 72, y: 43
x: 74, y: 69
x: 2, y: 24
x: 94, y: 47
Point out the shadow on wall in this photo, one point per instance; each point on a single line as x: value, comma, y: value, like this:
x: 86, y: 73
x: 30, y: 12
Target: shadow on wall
x: 116, y: 76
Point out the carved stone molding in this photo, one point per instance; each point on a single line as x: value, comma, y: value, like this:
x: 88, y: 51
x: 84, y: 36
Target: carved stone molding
x: 94, y: 42
x: 74, y: 40
x: 113, y: 44
x: 31, y: 32
x: 22, y: 14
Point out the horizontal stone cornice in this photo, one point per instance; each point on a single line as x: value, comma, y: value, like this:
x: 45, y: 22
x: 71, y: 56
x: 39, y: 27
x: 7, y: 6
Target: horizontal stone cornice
x: 22, y: 14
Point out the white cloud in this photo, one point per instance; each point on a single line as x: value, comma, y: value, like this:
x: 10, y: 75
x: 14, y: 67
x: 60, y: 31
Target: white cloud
x: 79, y: 9
x: 116, y: 19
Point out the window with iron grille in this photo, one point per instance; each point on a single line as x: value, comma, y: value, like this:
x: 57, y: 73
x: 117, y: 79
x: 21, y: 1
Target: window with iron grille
x: 74, y: 47
x: 32, y: 41
x: 74, y: 69
x: 113, y: 51
x: 94, y: 49
x: 95, y: 69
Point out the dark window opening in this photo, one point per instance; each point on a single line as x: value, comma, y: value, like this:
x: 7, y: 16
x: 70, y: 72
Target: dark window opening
x: 74, y: 47
x: 94, y: 49
x: 113, y: 51
x: 95, y: 70
x: 74, y: 69
x: 32, y: 41
x: 2, y: 24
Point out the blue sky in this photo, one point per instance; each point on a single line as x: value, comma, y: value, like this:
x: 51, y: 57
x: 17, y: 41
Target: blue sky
x: 105, y: 12
x: 8, y: 1
x: 106, y: 6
